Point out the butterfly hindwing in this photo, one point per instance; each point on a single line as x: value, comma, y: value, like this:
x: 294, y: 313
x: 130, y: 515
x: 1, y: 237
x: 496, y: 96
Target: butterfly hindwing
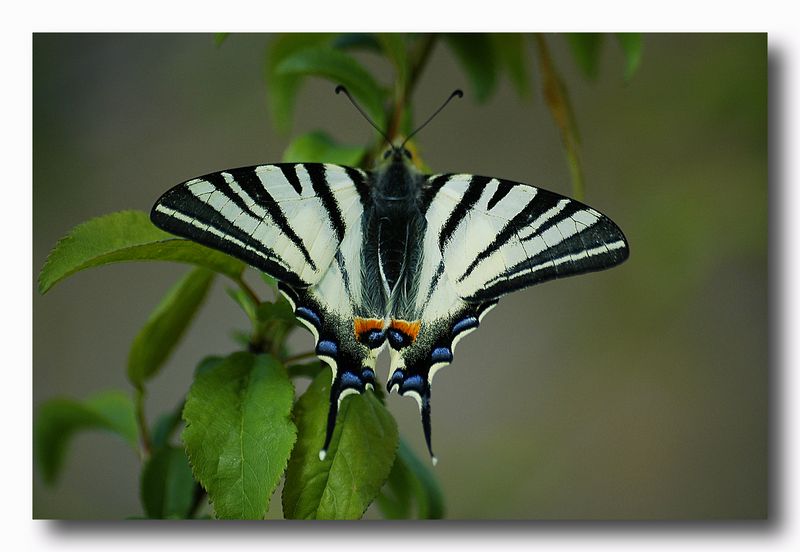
x: 348, y: 330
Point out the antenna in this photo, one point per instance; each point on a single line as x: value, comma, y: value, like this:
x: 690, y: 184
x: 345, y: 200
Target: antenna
x: 456, y: 92
x: 341, y: 88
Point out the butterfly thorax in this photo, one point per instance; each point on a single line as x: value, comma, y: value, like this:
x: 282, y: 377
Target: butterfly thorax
x: 394, y: 223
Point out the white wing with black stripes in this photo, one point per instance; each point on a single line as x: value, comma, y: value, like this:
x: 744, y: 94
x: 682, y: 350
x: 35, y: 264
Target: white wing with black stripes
x: 303, y: 225
x: 285, y: 219
x: 487, y: 237
x: 497, y: 236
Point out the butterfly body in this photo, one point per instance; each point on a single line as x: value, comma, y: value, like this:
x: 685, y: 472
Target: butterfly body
x: 389, y: 258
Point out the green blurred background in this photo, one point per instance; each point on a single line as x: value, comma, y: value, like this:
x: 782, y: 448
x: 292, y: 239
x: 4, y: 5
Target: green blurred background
x: 635, y: 393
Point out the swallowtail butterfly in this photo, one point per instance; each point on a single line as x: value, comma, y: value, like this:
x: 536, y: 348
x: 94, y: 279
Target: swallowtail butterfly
x: 389, y: 257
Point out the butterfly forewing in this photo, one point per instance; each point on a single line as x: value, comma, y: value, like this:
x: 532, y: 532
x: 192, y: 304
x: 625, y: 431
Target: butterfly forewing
x: 286, y: 219
x: 509, y: 235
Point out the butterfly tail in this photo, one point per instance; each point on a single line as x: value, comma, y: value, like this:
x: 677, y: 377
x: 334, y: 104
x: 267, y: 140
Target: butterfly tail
x: 425, y: 411
x: 416, y: 385
x: 347, y: 380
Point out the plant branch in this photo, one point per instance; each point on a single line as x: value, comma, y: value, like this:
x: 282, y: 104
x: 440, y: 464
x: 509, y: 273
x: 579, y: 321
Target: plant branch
x: 557, y: 99
x: 247, y: 289
x: 419, y: 60
x: 299, y: 356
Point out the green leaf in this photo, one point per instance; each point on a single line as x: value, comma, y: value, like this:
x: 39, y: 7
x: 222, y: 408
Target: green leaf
x: 219, y: 38
x: 59, y: 419
x: 394, y: 46
x: 282, y: 89
x: 319, y: 147
x: 394, y: 500
x: 557, y: 100
x: 166, y: 325
x: 166, y: 485
x: 475, y: 52
x: 279, y: 311
x: 631, y: 44
x: 359, y: 459
x: 239, y: 433
x: 510, y: 49
x: 339, y: 68
x: 586, y: 48
x: 208, y: 364
x: 126, y: 236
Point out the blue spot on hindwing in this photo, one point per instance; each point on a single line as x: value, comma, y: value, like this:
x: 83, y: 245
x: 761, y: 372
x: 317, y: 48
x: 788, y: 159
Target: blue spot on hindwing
x: 397, y: 378
x: 441, y: 354
x: 413, y: 383
x: 368, y: 375
x: 465, y: 324
x: 351, y: 380
x: 327, y: 348
x: 375, y: 339
x: 310, y: 315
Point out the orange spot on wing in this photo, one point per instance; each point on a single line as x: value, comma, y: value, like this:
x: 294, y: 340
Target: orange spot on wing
x: 362, y: 325
x: 411, y: 329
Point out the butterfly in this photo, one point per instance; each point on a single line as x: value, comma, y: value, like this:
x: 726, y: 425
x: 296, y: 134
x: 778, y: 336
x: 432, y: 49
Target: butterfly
x: 389, y: 257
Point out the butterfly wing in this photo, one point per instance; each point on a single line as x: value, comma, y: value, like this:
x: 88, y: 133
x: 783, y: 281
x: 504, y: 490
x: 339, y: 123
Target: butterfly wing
x: 346, y: 319
x: 285, y: 219
x: 487, y: 237
x: 302, y: 224
x: 498, y: 236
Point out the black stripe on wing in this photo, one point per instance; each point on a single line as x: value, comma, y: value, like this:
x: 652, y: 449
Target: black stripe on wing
x: 316, y: 172
x: 467, y: 202
x: 503, y: 188
x: 431, y: 188
x: 359, y: 179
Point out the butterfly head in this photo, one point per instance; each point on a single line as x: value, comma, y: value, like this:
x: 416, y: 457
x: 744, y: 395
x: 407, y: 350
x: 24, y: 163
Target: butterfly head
x: 397, y: 154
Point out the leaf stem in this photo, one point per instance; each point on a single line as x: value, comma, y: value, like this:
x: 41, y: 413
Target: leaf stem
x: 299, y: 356
x: 141, y: 421
x: 247, y: 289
x: 557, y: 99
